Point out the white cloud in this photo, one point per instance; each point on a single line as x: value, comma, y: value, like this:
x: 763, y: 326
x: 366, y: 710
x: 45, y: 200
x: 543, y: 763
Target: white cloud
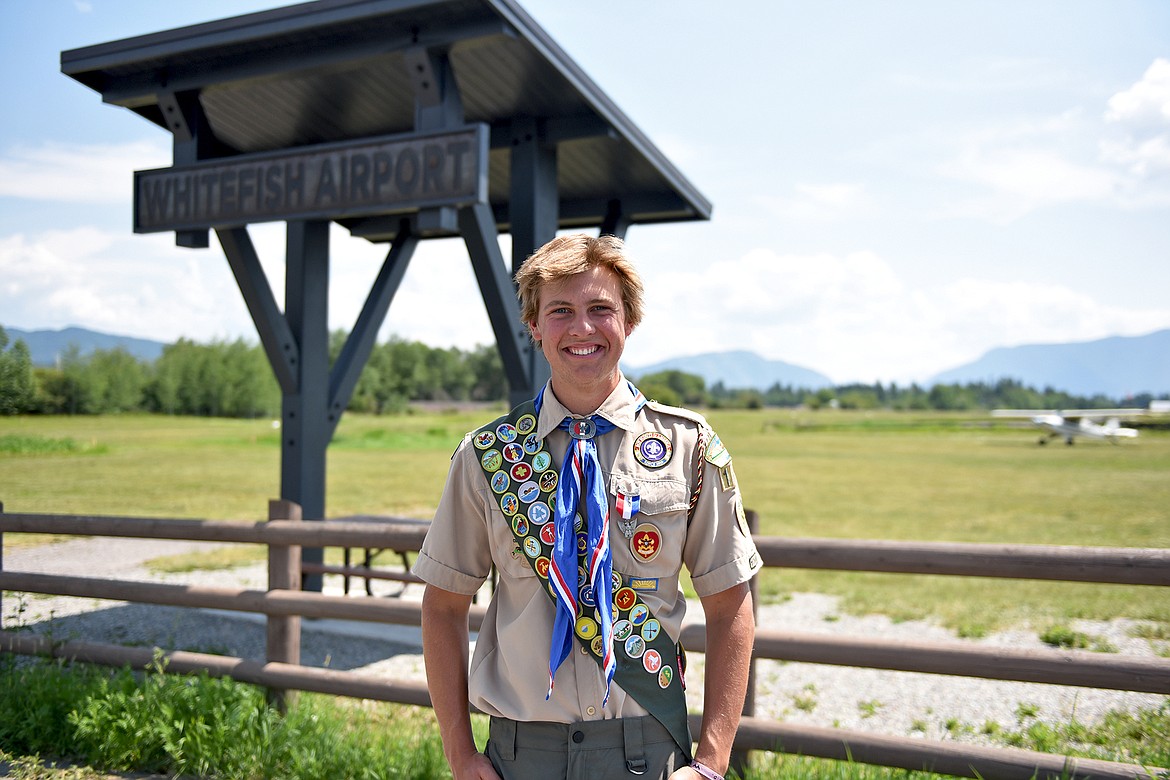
x: 1140, y: 119
x: 1023, y: 166
x: 77, y: 173
x: 145, y: 286
x: 854, y: 318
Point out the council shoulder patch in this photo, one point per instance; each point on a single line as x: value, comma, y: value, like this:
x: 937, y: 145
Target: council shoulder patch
x: 717, y: 454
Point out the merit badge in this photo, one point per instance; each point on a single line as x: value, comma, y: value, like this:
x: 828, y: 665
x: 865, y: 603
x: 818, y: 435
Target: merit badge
x: 541, y: 461
x: 652, y: 661
x: 665, y: 675
x: 635, y: 646
x: 652, y: 449
x: 650, y: 629
x: 542, y: 566
x: 587, y: 597
x: 531, y: 547
x: 506, y: 432
x: 548, y: 481
x: 586, y: 627
x: 548, y: 531
x: 597, y: 646
x: 624, y: 599
x: 622, y: 630
x: 526, y: 424
x: 513, y: 453
x: 533, y: 443
x: 528, y: 492
x: 520, y: 525
x: 639, y: 614
x: 539, y: 514
x: 521, y: 472
x: 500, y: 481
x: 485, y: 440
x: 492, y: 460
x: 509, y: 504
x: 646, y: 542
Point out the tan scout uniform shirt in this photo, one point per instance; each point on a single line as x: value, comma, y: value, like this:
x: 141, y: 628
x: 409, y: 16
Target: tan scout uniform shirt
x: 509, y: 669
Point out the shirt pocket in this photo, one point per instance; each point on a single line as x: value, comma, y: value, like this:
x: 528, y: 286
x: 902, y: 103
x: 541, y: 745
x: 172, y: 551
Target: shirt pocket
x: 655, y: 544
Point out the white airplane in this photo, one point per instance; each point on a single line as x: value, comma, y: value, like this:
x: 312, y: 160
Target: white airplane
x: 1071, y: 423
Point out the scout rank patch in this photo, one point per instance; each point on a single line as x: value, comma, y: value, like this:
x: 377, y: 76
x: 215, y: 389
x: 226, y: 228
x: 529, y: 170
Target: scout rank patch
x: 520, y: 474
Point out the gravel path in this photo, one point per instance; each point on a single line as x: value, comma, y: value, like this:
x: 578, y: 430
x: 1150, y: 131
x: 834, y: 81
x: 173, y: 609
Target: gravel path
x: 897, y: 703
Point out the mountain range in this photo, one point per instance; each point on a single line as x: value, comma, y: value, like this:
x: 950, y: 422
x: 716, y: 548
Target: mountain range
x: 1117, y: 367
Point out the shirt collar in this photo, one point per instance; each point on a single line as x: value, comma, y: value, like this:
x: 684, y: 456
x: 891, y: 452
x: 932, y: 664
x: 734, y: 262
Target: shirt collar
x: 618, y: 408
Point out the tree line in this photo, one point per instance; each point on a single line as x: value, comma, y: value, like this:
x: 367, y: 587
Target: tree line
x: 234, y: 379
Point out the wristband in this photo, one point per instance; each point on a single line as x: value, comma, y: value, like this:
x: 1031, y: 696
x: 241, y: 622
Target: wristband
x: 706, y: 771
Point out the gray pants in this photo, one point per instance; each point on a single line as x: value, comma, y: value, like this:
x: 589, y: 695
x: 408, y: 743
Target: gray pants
x: 589, y: 750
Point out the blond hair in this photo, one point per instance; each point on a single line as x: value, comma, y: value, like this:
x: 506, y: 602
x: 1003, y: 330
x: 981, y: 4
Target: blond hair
x: 569, y: 255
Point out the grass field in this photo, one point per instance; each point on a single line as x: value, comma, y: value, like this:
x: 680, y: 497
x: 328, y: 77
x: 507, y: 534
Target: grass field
x: 881, y: 475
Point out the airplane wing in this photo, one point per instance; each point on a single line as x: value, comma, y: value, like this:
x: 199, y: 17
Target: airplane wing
x: 1070, y: 414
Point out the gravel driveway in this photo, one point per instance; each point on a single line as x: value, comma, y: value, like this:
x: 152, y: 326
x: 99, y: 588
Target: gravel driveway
x: 897, y: 703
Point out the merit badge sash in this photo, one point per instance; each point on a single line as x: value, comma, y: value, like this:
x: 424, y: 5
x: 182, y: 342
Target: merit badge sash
x: 523, y: 480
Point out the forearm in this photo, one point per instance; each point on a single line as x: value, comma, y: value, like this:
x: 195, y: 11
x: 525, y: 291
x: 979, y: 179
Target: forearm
x: 445, y: 644
x: 730, y: 634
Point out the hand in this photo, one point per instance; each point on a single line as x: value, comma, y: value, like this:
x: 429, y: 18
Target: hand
x: 478, y: 767
x: 685, y: 773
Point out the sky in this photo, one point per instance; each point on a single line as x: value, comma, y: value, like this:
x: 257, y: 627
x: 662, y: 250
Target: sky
x: 897, y: 187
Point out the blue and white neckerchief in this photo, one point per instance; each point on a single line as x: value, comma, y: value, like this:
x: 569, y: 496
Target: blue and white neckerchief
x: 581, y: 476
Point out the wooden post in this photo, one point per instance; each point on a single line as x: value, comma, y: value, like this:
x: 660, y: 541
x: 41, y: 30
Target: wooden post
x: 284, y: 573
x: 741, y: 759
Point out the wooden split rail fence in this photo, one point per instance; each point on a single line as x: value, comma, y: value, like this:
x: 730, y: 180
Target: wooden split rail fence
x: 285, y: 604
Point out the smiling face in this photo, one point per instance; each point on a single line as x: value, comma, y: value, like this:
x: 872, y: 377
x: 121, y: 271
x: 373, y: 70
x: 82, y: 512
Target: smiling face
x: 581, y: 327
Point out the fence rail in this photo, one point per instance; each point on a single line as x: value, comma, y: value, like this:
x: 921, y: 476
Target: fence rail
x: 284, y: 606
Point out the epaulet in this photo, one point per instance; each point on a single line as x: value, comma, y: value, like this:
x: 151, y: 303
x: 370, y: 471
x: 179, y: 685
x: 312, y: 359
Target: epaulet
x: 678, y: 411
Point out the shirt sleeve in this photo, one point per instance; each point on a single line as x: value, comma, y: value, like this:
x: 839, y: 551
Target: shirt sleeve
x: 719, y: 551
x: 456, y: 554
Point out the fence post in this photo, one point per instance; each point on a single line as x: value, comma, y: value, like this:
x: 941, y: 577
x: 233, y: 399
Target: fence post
x: 740, y: 759
x: 284, y: 573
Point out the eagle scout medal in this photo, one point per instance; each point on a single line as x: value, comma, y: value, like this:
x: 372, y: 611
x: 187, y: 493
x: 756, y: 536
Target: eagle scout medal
x: 652, y: 449
x: 627, y: 507
x: 646, y: 542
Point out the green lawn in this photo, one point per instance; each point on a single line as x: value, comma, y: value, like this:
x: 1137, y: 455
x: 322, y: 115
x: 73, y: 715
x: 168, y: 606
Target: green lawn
x: 880, y: 475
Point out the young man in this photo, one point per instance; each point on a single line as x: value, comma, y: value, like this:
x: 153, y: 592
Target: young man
x: 587, y: 500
